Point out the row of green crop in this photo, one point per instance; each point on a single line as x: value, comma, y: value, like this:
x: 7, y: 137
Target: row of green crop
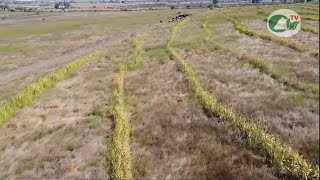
x: 283, y: 41
x: 9, y: 108
x: 284, y: 158
x: 120, y: 153
x: 204, y: 25
x: 257, y: 62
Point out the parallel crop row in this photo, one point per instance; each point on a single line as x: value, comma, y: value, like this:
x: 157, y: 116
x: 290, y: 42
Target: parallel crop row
x: 32, y: 91
x: 258, y: 62
x: 204, y: 25
x: 284, y: 158
x: 283, y: 41
x: 120, y: 154
x: 265, y: 67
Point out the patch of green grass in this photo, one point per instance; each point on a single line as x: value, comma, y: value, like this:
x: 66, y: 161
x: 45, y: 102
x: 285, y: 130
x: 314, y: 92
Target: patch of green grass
x: 160, y: 53
x: 18, y: 31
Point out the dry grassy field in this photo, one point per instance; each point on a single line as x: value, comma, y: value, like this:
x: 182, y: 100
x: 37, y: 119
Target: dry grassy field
x: 121, y: 95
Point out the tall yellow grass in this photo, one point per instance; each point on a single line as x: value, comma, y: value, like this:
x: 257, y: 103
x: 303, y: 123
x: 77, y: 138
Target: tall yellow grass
x: 120, y: 153
x: 33, y: 90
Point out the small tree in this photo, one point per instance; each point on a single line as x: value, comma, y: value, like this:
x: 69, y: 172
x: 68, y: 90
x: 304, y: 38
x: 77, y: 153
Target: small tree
x: 4, y: 7
x: 56, y: 5
x: 67, y: 5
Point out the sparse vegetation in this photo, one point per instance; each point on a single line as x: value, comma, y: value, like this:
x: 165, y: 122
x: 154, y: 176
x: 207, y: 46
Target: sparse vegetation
x: 120, y: 154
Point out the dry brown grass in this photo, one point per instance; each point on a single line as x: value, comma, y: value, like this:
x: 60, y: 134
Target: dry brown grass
x: 171, y: 133
x: 66, y: 133
x: 70, y: 140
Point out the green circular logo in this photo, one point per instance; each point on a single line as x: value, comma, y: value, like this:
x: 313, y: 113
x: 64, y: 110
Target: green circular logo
x: 284, y: 23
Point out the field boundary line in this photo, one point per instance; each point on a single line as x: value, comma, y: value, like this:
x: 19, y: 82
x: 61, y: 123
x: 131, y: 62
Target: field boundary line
x: 27, y: 95
x: 294, y: 44
x: 120, y: 153
x: 287, y: 161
